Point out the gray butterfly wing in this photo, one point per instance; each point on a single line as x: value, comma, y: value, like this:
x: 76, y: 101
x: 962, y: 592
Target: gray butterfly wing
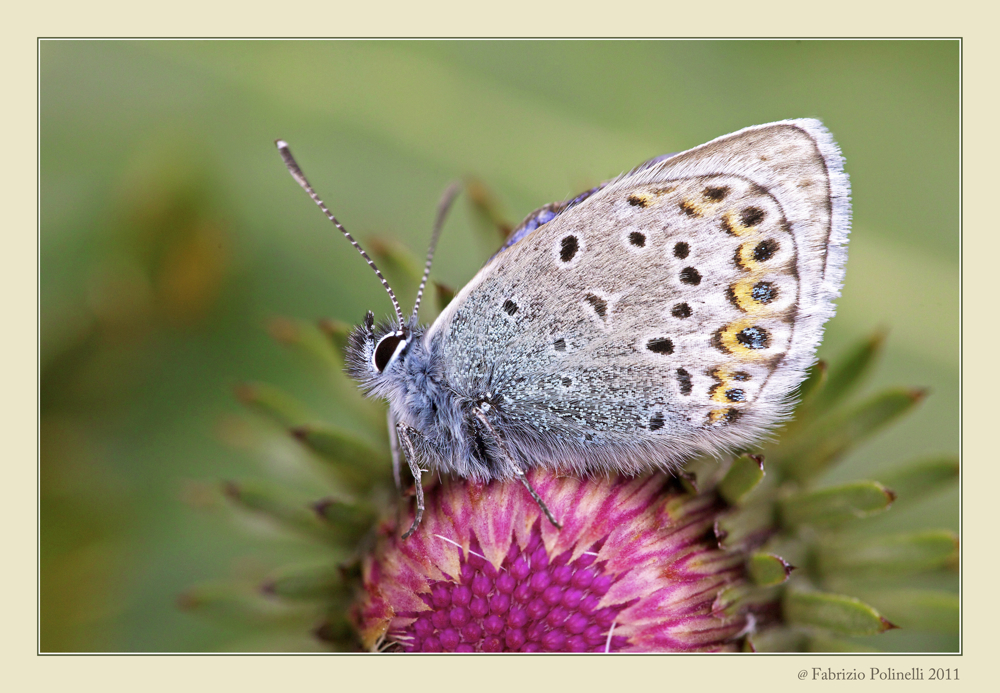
x: 673, y: 311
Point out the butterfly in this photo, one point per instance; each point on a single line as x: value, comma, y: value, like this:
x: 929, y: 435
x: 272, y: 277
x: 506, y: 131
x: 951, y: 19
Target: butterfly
x: 670, y: 312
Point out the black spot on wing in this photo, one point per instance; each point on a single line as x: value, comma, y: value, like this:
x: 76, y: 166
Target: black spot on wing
x: 599, y: 305
x: 754, y: 337
x: 765, y: 250
x: 684, y: 381
x: 715, y: 193
x: 689, y: 208
x: 568, y: 248
x: 689, y: 275
x: 660, y: 345
x: 764, y: 292
x: 751, y: 216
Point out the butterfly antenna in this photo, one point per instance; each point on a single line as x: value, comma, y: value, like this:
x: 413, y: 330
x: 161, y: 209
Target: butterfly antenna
x: 443, y: 206
x: 300, y: 178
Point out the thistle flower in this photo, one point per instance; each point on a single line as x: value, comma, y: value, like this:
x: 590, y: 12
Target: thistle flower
x: 722, y: 558
x: 635, y: 567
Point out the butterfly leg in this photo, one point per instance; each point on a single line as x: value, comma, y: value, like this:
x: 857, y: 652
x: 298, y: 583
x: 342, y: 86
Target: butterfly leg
x: 407, y: 436
x: 396, y: 476
x: 394, y: 451
x: 518, y: 472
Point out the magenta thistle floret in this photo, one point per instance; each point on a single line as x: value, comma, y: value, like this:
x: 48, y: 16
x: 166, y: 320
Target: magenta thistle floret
x: 635, y: 568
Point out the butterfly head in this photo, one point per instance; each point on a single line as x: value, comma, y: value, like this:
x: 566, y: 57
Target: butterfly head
x: 375, y: 353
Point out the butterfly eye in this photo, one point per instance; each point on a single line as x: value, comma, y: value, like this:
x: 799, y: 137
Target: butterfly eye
x: 385, y: 349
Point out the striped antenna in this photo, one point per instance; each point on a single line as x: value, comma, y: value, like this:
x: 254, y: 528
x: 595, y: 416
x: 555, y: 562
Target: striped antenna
x: 300, y: 178
x: 443, y: 206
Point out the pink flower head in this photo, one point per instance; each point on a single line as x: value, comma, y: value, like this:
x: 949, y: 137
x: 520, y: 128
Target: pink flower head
x: 635, y: 568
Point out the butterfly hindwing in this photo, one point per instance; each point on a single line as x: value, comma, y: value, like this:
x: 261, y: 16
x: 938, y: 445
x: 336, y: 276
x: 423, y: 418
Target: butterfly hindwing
x: 673, y: 308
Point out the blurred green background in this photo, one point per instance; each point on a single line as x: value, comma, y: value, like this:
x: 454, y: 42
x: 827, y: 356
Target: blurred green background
x: 172, y: 234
